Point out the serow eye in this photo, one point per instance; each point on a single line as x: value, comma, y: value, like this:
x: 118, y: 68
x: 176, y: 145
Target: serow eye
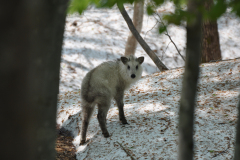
x: 136, y: 67
x: 128, y: 67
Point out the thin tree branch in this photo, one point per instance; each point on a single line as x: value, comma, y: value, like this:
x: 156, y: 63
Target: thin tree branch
x: 150, y: 30
x: 168, y: 35
x: 125, y: 150
x: 164, y: 52
x: 174, y: 45
x: 140, y: 40
x: 166, y: 48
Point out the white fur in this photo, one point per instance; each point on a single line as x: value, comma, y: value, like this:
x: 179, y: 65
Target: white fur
x: 106, y: 81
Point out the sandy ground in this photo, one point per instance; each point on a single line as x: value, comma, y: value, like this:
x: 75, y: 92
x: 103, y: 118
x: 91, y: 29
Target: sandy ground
x: 151, y: 106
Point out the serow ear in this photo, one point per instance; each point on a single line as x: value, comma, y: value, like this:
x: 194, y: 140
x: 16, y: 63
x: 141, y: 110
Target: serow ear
x: 140, y: 60
x: 124, y: 60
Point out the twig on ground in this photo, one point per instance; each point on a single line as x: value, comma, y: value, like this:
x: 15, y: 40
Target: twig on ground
x: 222, y: 60
x: 215, y: 60
x: 224, y: 151
x: 126, y: 151
x: 168, y: 121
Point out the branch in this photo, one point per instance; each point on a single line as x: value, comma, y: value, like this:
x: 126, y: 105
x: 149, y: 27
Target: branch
x: 150, y: 29
x: 221, y: 152
x: 168, y: 121
x: 169, y: 35
x: 126, y: 151
x: 140, y: 40
x: 164, y: 52
x: 174, y: 45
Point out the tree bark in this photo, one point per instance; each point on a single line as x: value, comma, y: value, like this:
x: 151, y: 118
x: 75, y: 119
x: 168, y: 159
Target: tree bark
x: 30, y: 52
x: 210, y: 41
x: 131, y: 44
x: 237, y: 144
x: 189, y: 86
x: 140, y: 40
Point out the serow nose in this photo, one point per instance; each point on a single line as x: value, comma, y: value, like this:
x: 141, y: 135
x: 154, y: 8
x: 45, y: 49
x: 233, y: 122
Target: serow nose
x: 133, y: 76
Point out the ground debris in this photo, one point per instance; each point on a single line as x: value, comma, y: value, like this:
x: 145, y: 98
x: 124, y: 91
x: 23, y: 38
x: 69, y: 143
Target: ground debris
x: 64, y: 147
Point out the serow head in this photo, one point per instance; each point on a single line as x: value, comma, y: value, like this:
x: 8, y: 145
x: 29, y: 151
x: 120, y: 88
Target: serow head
x: 133, y: 66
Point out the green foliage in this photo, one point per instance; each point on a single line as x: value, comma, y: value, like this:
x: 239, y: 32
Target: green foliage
x: 216, y: 10
x: 179, y: 2
x: 107, y: 3
x: 150, y: 10
x: 78, y: 6
x: 180, y: 14
x: 158, y: 2
x: 81, y: 5
x: 235, y: 4
x: 162, y: 28
x: 111, y: 3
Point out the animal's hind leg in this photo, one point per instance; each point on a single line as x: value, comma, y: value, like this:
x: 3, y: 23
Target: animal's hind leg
x: 103, y: 108
x: 87, y: 111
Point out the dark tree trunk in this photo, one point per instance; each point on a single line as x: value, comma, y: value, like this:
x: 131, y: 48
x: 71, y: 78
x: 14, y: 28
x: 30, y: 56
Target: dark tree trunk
x: 30, y: 51
x: 237, y: 143
x: 189, y: 87
x: 210, y: 41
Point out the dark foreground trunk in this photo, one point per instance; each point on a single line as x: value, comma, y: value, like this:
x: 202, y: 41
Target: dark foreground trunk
x: 189, y: 87
x: 30, y: 51
x: 237, y: 143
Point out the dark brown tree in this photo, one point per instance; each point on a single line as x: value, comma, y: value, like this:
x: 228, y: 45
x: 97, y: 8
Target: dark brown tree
x: 210, y: 42
x: 30, y: 50
x: 189, y: 87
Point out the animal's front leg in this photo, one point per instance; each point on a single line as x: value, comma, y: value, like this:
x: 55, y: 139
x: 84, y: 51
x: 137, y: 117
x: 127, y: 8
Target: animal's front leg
x: 119, y: 101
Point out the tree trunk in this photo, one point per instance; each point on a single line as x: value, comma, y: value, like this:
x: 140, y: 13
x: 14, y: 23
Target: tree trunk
x: 131, y: 44
x: 189, y: 87
x: 237, y: 144
x: 140, y: 40
x: 30, y: 52
x: 210, y: 41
